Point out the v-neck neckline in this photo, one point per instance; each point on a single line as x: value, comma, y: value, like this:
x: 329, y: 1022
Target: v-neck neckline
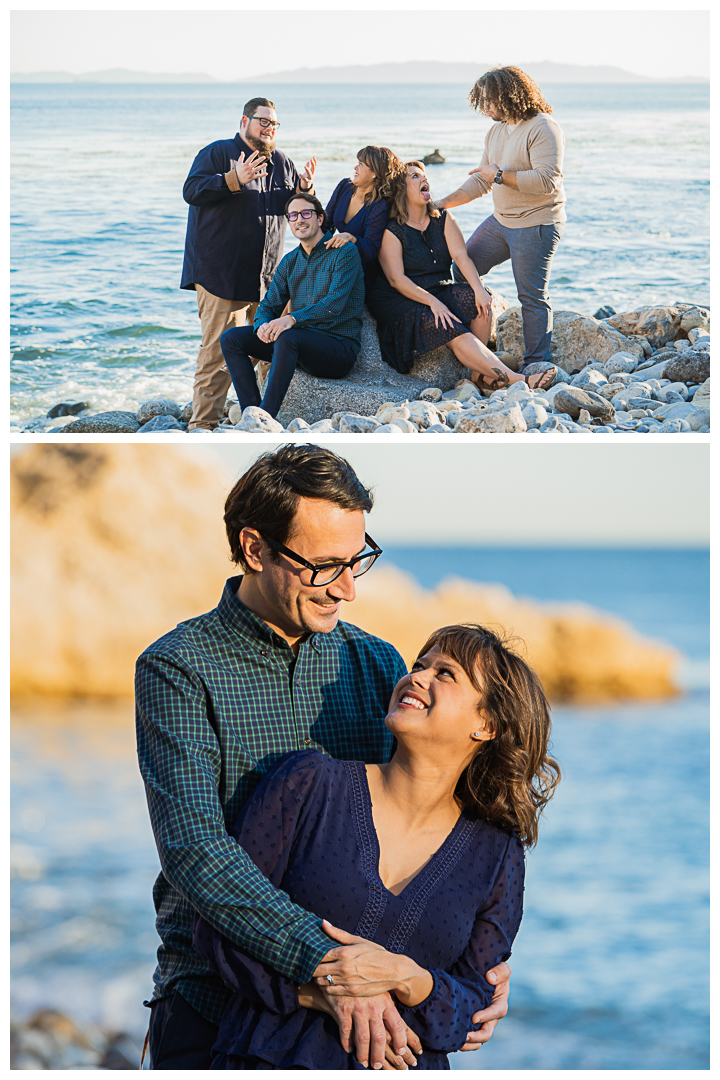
x: 425, y: 870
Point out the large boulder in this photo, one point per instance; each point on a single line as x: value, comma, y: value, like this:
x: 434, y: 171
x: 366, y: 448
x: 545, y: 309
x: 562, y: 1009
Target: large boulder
x: 690, y: 366
x: 658, y: 324
x: 116, y: 422
x: 576, y: 339
x: 370, y: 384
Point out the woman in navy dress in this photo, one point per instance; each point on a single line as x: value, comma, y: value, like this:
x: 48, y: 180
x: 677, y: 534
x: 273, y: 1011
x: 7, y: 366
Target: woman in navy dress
x: 419, y: 862
x: 417, y: 305
x: 358, y: 208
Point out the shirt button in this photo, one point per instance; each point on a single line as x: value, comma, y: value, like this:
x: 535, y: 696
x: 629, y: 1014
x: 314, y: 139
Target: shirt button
x: 263, y: 652
x: 306, y: 742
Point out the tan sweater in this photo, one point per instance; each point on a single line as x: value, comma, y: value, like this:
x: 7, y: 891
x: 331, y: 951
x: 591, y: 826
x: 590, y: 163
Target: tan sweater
x: 534, y: 150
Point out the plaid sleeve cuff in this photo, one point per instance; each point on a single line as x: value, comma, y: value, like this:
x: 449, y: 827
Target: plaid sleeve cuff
x: 310, y: 951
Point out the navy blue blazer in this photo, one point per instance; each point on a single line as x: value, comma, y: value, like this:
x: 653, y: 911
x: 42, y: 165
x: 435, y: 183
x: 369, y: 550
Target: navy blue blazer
x: 367, y: 227
x: 235, y: 239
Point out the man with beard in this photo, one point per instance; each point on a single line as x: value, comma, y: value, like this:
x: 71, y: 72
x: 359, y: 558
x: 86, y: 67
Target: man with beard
x: 220, y: 699
x: 237, y: 190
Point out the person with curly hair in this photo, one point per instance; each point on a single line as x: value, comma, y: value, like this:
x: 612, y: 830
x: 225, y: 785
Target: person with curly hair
x: 416, y: 866
x: 522, y: 166
x: 417, y: 305
x: 357, y: 212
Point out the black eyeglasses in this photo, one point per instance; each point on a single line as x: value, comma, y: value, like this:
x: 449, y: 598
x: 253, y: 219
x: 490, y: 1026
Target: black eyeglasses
x: 295, y: 214
x: 323, y: 575
x: 265, y: 123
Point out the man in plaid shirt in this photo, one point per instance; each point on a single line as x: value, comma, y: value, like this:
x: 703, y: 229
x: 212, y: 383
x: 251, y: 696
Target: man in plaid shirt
x: 220, y: 699
x: 326, y: 289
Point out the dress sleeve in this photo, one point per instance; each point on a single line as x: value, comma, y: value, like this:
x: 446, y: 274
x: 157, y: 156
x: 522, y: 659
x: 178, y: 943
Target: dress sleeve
x: 443, y: 1019
x: 208, y: 182
x: 181, y: 764
x: 368, y: 244
x: 266, y: 828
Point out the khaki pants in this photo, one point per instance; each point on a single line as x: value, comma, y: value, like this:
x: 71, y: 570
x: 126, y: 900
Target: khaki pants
x: 211, y: 382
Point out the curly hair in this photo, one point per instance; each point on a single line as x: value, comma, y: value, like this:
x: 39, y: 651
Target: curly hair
x: 511, y: 91
x: 385, y: 164
x: 511, y: 777
x: 397, y: 195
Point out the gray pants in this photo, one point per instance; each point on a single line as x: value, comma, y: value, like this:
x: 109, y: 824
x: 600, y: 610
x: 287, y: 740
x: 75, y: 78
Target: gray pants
x: 530, y: 251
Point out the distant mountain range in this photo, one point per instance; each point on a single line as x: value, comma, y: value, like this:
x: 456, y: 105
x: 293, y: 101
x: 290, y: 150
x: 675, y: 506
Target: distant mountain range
x: 415, y: 71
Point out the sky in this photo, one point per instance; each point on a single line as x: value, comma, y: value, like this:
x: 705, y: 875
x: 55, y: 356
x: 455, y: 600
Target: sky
x: 241, y: 42
x: 547, y: 495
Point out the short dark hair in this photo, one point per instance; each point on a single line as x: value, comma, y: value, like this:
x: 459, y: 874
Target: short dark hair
x: 255, y: 103
x: 512, y: 776
x: 266, y: 496
x: 312, y: 199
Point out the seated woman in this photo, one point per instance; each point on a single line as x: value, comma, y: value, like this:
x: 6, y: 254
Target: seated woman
x: 416, y: 304
x: 421, y: 859
x: 358, y: 208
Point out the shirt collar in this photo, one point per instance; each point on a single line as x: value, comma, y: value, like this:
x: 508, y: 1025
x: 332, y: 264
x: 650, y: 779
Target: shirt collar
x: 246, y: 149
x: 248, y: 625
x: 321, y: 247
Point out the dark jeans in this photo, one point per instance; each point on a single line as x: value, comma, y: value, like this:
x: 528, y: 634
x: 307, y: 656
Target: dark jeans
x: 531, y: 251
x: 310, y: 350
x: 180, y: 1038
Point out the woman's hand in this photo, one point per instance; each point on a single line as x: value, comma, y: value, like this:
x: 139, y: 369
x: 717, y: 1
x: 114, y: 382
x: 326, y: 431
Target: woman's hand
x: 339, y: 239
x: 483, y: 301
x: 361, y: 968
x: 443, y: 315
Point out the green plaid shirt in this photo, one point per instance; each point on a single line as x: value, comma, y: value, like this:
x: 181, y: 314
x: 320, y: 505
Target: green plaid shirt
x: 219, y: 699
x: 327, y: 289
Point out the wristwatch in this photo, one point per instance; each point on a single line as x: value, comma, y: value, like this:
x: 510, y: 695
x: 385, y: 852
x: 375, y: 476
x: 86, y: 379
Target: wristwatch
x: 497, y: 179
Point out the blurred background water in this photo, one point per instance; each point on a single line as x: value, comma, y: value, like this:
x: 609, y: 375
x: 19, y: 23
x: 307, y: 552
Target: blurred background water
x: 97, y: 253
x: 611, y: 963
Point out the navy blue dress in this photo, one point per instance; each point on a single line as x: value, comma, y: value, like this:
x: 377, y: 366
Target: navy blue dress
x: 309, y: 828
x: 367, y: 227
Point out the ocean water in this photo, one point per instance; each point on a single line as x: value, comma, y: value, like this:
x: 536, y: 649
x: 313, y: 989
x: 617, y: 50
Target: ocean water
x: 611, y: 962
x: 96, y: 255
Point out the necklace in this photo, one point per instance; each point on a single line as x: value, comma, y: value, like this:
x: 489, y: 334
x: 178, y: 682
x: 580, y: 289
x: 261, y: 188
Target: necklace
x: 417, y: 222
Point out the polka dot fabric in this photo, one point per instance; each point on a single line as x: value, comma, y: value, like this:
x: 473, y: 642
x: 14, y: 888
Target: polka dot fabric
x: 309, y: 828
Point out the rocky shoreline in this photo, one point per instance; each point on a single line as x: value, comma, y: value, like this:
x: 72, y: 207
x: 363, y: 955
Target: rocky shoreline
x: 640, y: 371
x: 52, y: 1040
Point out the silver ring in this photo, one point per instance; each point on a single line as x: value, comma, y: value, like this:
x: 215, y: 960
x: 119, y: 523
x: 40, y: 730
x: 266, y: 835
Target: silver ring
x: 331, y: 981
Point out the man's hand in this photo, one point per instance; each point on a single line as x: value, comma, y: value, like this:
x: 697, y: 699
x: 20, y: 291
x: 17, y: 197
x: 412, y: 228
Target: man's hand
x: 270, y: 331
x: 487, y: 172
x: 500, y: 977
x: 368, y: 1025
x: 305, y: 178
x: 362, y: 968
x: 252, y: 169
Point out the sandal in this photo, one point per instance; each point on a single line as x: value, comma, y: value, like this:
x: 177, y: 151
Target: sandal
x: 544, y: 379
x: 498, y: 383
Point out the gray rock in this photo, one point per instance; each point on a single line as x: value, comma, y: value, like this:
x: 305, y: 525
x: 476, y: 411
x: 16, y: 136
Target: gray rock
x: 186, y: 414
x: 534, y: 414
x: 604, y: 312
x: 388, y: 429
x: 115, y: 422
x: 437, y: 429
x: 505, y: 420
x: 698, y: 334
x: 551, y: 424
x: 701, y: 397
x: 423, y: 413
x: 576, y: 340
x: 620, y: 362
x: 573, y: 399
x: 323, y: 426
x: 256, y: 419
x: 543, y: 365
x: 67, y: 408
x: 298, y: 424
x: 234, y: 414
x: 589, y: 378
x: 673, y: 427
x: 351, y: 423
x: 694, y: 318
x: 161, y: 423
x: 158, y: 407
x: 433, y: 393
x: 370, y: 383
x: 687, y: 367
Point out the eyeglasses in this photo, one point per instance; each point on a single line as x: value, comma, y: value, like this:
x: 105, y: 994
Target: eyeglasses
x: 323, y: 575
x: 295, y: 214
x: 264, y: 122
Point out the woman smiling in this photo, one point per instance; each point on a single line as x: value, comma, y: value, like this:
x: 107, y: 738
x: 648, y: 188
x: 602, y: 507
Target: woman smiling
x: 420, y: 861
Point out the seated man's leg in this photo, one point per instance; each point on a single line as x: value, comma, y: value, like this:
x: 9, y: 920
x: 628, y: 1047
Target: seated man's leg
x: 487, y: 247
x: 211, y: 381
x: 180, y: 1038
x: 238, y: 346
x: 532, y: 252
x: 314, y: 352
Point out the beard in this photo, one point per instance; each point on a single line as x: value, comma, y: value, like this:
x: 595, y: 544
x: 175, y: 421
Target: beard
x: 261, y: 147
